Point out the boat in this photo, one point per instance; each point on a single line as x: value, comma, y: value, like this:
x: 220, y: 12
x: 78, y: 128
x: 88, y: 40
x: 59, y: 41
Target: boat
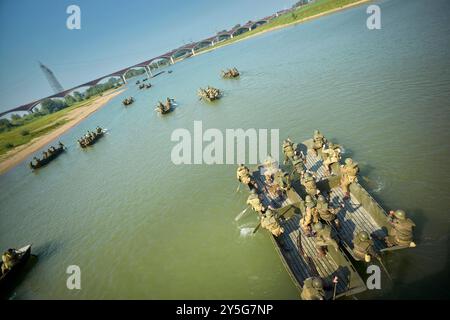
x: 84, y: 143
x: 169, y: 71
x: 147, y: 86
x: 142, y: 86
x: 128, y: 101
x: 24, y: 254
x: 209, y: 94
x: 359, y: 213
x: 52, y: 155
x: 164, y: 109
x: 298, y: 252
x: 230, y: 73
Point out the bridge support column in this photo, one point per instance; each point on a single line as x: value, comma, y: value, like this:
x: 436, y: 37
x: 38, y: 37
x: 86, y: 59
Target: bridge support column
x: 123, y: 79
x: 171, y: 60
x: 231, y: 36
x: 149, y: 70
x: 193, y: 51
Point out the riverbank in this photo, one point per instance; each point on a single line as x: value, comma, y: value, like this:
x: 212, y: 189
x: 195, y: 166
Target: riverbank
x: 283, y: 20
x: 63, y: 121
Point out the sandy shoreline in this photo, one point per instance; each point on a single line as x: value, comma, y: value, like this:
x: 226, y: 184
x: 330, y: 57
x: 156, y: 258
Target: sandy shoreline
x: 286, y: 25
x: 17, y: 155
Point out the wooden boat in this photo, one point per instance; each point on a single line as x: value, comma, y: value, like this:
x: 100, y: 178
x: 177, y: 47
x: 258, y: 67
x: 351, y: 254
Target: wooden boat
x: 164, y: 109
x: 128, y: 101
x: 44, y: 161
x: 230, y: 73
x: 359, y: 213
x: 24, y: 254
x: 298, y: 252
x: 90, y: 142
x: 203, y: 94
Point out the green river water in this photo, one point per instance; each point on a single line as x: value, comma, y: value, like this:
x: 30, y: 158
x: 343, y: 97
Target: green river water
x: 141, y: 227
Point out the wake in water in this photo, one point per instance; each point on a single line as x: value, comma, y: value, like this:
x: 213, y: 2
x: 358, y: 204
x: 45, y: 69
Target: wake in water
x: 246, y: 232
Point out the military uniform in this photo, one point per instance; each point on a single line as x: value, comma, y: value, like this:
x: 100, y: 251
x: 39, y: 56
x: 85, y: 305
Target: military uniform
x: 318, y: 141
x: 283, y: 180
x: 333, y: 155
x: 243, y: 174
x: 363, y: 247
x: 9, y: 259
x: 309, y: 183
x: 288, y: 150
x: 324, y: 238
x: 269, y: 222
x: 311, y: 215
x: 254, y: 201
x: 298, y: 164
x: 325, y: 213
x: 313, y: 289
x: 401, y: 233
x: 349, y: 172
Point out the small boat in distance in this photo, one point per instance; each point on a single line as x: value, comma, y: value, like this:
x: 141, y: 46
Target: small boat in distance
x: 91, y: 137
x: 128, y: 101
x: 230, y: 73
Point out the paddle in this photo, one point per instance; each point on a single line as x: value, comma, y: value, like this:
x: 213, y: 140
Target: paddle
x: 257, y: 227
x: 383, y: 266
x: 239, y: 187
x: 335, y: 281
x: 241, y: 214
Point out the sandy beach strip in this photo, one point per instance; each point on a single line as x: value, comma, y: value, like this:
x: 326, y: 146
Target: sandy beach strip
x: 17, y: 155
x: 354, y: 4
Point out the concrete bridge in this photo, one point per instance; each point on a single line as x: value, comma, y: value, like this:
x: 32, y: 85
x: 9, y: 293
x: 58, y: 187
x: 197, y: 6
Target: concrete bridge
x: 171, y: 57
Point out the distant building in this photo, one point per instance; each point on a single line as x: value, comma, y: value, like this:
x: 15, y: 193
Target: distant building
x: 54, y: 83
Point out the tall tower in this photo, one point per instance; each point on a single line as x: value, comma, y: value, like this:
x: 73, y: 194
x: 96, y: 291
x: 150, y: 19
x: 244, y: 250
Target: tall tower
x: 54, y: 83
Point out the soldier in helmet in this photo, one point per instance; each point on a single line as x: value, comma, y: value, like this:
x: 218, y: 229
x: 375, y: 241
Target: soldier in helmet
x: 311, y: 215
x: 243, y: 175
x: 282, y: 180
x: 349, y: 171
x: 288, y: 150
x: 313, y: 289
x: 298, y: 164
x: 363, y: 247
x: 401, y: 233
x: 309, y: 183
x: 270, y: 222
x: 318, y: 142
x: 324, y: 238
x: 325, y: 212
x: 254, y: 201
x: 9, y: 259
x: 333, y: 155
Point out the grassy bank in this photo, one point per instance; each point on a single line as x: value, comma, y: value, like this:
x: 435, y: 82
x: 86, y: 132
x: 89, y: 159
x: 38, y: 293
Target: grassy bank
x: 42, y: 125
x: 296, y: 16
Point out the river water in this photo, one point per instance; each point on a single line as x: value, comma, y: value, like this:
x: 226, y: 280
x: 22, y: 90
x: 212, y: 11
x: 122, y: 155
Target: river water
x: 140, y: 227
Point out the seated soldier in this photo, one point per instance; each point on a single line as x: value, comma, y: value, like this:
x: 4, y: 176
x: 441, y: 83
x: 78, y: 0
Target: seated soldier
x: 309, y: 183
x: 363, y: 247
x: 270, y: 222
x: 243, y: 175
x: 318, y: 142
x: 401, y: 231
x: 313, y: 289
x: 254, y: 201
x: 9, y: 258
x: 333, y: 155
x: 326, y: 213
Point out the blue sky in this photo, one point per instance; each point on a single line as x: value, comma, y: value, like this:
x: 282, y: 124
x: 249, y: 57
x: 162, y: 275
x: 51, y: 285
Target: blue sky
x: 114, y: 34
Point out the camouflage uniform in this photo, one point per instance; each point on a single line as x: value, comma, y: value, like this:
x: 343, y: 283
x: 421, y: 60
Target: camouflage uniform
x: 243, y: 174
x: 309, y: 183
x: 324, y: 238
x: 311, y: 214
x: 333, y: 155
x: 363, y: 247
x: 298, y: 164
x: 313, y: 289
x: 288, y: 150
x: 401, y: 233
x: 254, y: 201
x: 269, y: 222
x: 349, y: 172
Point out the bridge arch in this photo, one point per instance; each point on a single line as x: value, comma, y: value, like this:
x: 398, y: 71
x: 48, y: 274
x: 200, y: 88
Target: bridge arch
x: 183, y: 53
x: 203, y: 44
x: 241, y: 30
x: 133, y: 68
x: 223, y: 37
x: 258, y: 24
x: 159, y: 62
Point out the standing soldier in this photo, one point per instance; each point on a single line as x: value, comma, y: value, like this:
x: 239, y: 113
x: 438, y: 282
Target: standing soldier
x: 318, y: 142
x: 325, y: 212
x: 324, y: 239
x: 282, y: 180
x: 313, y: 289
x: 333, y: 156
x: 311, y: 215
x: 288, y: 150
x: 243, y: 175
x: 349, y: 171
x: 309, y: 183
x: 363, y: 247
x: 254, y: 201
x: 270, y: 222
x: 401, y: 233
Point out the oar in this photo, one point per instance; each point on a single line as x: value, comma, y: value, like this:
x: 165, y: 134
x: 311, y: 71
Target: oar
x: 335, y: 281
x: 241, y: 214
x: 384, y: 267
x: 257, y: 227
x: 239, y: 187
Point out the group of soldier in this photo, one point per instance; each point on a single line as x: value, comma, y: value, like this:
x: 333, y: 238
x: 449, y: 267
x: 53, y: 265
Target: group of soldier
x: 46, y: 154
x: 128, y: 101
x: 90, y: 137
x: 9, y: 259
x: 166, y: 107
x: 230, y: 73
x: 210, y: 93
x: 320, y: 215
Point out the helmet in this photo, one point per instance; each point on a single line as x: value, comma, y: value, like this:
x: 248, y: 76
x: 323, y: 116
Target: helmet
x: 253, y: 191
x: 241, y: 165
x: 269, y: 213
x: 400, y: 214
x: 363, y: 235
x: 321, y: 198
x: 331, y: 145
x: 318, y: 226
x: 348, y: 161
x: 316, y: 132
x: 308, y: 198
x: 317, y: 283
